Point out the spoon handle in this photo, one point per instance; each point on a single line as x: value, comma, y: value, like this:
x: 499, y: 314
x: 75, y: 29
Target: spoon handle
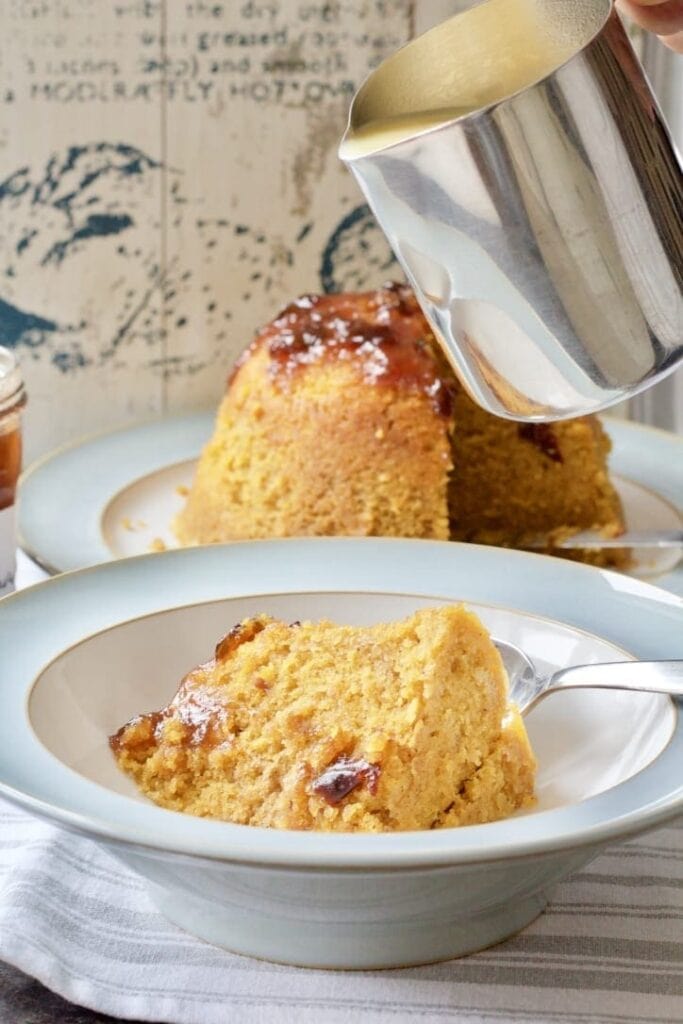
x: 631, y: 539
x: 651, y: 676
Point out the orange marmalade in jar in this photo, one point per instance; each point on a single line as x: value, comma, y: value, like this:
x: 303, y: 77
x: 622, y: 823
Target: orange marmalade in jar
x: 12, y: 401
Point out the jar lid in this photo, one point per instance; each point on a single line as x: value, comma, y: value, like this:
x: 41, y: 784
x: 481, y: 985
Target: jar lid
x: 11, y: 381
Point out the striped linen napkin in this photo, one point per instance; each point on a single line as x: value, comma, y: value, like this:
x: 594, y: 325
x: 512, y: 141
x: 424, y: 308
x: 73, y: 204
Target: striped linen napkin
x: 609, y: 950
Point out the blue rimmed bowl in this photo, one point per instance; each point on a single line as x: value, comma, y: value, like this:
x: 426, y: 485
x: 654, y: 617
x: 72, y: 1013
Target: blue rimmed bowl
x: 83, y: 652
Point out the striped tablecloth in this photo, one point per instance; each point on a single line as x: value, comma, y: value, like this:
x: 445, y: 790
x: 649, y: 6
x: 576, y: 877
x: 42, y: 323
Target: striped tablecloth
x: 609, y: 950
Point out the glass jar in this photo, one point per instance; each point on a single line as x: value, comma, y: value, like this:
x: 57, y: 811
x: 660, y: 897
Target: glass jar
x: 12, y: 401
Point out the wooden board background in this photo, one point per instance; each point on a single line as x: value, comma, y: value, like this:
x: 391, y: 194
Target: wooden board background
x: 168, y: 180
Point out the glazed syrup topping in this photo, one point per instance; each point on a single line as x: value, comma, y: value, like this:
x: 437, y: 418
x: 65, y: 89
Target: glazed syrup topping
x: 544, y: 437
x: 144, y: 730
x: 384, y: 333
x: 343, y: 776
x: 240, y: 634
x: 206, y: 718
x: 200, y: 710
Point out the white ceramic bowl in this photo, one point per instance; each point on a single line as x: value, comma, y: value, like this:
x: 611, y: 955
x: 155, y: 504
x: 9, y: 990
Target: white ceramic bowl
x: 84, y: 652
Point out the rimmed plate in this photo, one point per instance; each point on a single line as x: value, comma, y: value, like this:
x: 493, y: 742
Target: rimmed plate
x: 336, y: 899
x: 585, y: 742
x: 627, y: 613
x: 116, y: 495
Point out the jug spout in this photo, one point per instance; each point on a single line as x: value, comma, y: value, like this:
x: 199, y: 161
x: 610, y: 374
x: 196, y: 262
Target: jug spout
x: 535, y: 209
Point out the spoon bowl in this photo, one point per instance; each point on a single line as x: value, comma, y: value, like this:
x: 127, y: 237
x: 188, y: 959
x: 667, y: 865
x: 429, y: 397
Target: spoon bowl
x: 528, y: 686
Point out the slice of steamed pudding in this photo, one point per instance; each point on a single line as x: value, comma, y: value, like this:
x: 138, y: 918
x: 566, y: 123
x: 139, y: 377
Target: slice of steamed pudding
x: 339, y: 728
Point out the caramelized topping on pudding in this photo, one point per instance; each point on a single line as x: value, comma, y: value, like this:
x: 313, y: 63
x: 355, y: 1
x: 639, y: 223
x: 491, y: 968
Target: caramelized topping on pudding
x: 383, y: 332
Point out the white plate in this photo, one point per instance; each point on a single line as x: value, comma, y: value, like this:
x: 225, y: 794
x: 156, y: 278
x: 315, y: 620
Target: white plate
x: 116, y: 495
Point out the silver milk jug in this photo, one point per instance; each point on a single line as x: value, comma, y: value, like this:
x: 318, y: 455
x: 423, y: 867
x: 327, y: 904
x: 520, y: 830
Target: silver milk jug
x: 521, y: 170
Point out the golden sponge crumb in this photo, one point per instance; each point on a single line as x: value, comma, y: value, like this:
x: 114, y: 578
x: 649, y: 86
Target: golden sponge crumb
x: 512, y: 483
x: 343, y: 419
x: 328, y: 456
x: 339, y: 728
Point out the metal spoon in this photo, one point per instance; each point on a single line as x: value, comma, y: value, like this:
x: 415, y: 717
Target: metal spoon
x: 528, y: 686
x: 631, y: 539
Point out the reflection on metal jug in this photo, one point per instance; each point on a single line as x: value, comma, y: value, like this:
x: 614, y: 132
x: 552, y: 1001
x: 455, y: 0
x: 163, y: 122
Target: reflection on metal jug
x: 520, y: 168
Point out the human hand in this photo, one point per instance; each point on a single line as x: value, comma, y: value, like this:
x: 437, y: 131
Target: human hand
x: 665, y: 17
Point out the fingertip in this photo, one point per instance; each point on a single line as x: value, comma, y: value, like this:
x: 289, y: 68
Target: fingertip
x: 663, y: 17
